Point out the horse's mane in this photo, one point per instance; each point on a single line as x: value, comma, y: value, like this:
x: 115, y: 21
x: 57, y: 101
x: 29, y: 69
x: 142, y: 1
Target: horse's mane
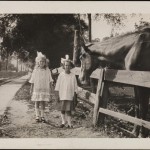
x: 119, y: 44
x: 142, y: 30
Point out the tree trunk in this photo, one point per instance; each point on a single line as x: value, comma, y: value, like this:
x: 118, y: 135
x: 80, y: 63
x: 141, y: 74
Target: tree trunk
x: 76, y: 50
x: 0, y: 63
x: 90, y: 27
x: 6, y: 67
x: 21, y: 65
x: 17, y: 65
x: 0, y: 66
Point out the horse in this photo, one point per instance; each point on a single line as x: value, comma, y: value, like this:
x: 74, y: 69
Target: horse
x: 127, y: 52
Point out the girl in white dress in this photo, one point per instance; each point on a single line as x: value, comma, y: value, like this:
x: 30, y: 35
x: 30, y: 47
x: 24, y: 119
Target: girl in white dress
x: 41, y: 81
x: 66, y: 89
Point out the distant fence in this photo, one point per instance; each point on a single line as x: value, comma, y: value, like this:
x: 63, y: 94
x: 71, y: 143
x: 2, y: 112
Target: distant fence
x: 99, y: 100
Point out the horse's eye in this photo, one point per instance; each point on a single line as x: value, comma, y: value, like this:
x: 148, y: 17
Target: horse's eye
x: 83, y: 55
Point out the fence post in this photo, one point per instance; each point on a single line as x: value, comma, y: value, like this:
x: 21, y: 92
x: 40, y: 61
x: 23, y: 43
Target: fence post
x: 103, y: 102
x: 97, y: 98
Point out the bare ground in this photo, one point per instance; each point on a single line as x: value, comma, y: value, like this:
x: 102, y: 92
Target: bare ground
x: 20, y: 120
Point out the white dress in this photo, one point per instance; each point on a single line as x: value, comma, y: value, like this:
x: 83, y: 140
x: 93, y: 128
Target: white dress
x: 41, y: 79
x: 66, y: 85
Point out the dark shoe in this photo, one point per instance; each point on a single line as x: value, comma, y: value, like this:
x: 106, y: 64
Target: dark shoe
x: 62, y: 126
x: 37, y: 119
x: 43, y: 120
x: 70, y: 127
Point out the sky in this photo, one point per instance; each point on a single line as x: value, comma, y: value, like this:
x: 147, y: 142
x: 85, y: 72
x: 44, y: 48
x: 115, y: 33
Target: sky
x: 101, y: 29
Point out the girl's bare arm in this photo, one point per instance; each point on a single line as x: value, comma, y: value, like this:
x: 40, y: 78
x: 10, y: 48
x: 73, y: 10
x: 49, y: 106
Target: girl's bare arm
x: 57, y: 96
x: 31, y: 88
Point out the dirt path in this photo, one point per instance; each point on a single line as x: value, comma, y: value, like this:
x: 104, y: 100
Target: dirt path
x: 21, y: 120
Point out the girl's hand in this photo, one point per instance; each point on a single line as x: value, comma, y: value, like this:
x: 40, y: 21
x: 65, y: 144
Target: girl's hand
x: 30, y: 91
x: 57, y: 96
x: 57, y: 100
x: 31, y: 88
x: 52, y: 83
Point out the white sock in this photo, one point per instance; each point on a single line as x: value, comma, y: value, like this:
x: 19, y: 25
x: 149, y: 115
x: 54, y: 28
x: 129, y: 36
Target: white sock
x: 63, y: 118
x: 69, y: 120
x: 42, y: 113
x: 37, y: 112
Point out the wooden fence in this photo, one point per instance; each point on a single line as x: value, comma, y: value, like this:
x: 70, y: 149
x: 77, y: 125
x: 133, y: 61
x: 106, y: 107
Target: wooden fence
x: 99, y: 100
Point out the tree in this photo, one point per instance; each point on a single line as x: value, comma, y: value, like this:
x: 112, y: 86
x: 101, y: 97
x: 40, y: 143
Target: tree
x: 50, y: 33
x: 142, y: 24
x: 6, y: 27
x: 114, y: 19
x: 90, y: 27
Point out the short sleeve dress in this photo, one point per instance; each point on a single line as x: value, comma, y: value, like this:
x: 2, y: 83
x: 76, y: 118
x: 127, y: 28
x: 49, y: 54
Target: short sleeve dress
x: 66, y: 85
x: 41, y: 79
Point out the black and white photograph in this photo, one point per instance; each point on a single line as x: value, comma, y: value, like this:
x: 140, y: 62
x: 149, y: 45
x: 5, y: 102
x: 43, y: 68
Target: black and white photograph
x: 74, y: 77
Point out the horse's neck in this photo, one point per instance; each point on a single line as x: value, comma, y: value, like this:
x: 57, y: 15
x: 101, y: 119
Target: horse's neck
x: 112, y: 64
x: 115, y: 47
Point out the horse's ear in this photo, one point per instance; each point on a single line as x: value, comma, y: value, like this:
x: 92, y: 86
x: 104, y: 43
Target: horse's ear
x: 87, y: 50
x: 80, y: 57
x: 146, y: 29
x: 85, y: 47
x: 88, y: 44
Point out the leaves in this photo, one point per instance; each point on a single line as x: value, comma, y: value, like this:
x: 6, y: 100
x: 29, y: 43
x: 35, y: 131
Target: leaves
x: 52, y: 34
x: 141, y: 25
x: 115, y: 19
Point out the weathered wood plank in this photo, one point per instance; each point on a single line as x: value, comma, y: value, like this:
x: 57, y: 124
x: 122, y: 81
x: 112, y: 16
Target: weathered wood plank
x: 129, y: 133
x: 98, y: 97
x: 86, y: 95
x: 95, y: 74
x: 75, y: 70
x: 140, y: 78
x: 55, y: 71
x: 85, y: 100
x: 104, y: 101
x: 127, y: 118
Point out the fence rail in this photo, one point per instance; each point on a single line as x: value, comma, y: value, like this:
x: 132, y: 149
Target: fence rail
x: 99, y: 100
x: 124, y: 117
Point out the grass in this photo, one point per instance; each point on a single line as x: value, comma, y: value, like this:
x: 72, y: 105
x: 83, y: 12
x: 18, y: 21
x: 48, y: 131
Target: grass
x: 23, y: 93
x: 82, y: 117
x: 10, y: 74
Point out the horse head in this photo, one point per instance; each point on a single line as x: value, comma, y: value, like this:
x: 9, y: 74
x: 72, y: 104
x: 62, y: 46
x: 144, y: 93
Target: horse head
x: 88, y: 64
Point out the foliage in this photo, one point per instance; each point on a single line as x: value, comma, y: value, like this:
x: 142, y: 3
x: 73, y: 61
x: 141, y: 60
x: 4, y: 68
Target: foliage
x: 142, y: 24
x: 115, y: 19
x: 7, y: 24
x: 10, y: 74
x: 105, y: 38
x: 50, y: 33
